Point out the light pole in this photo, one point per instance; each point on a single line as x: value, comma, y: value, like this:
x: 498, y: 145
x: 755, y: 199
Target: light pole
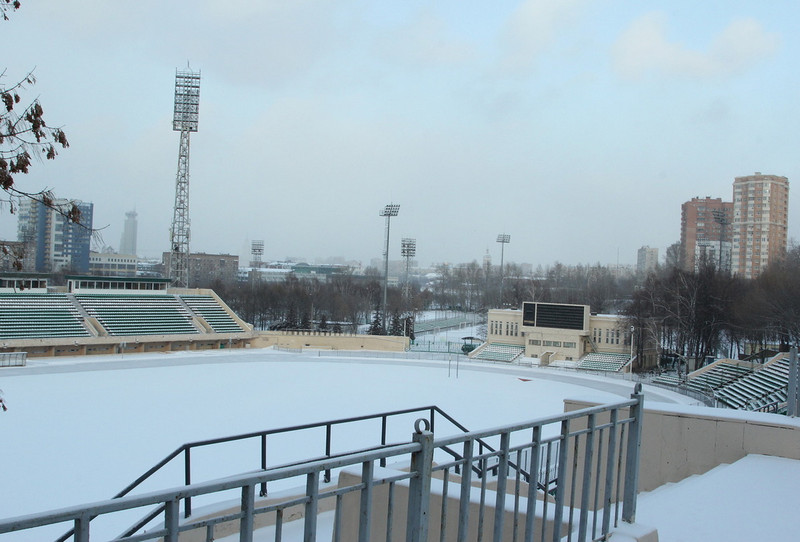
x: 389, y: 211
x: 722, y: 219
x: 503, y: 239
x: 408, y: 249
x: 632, y: 329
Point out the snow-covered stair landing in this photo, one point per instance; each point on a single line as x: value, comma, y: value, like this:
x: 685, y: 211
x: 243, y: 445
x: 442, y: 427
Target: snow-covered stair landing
x: 747, y: 501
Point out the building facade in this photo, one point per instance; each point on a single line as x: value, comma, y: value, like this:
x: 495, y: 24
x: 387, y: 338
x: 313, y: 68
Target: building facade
x: 51, y: 241
x: 112, y: 264
x: 706, y: 233
x: 760, y: 222
x: 646, y: 260
x: 205, y: 269
x: 127, y: 244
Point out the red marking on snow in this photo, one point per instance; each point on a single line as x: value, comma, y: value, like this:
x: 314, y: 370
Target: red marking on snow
x: 525, y: 379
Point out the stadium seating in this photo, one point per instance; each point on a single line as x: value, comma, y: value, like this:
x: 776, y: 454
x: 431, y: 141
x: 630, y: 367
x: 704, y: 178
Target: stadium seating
x: 136, y: 314
x: 668, y: 379
x: 719, y: 375
x: 212, y: 312
x: 600, y: 361
x: 39, y: 315
x: 500, y: 352
x: 757, y: 389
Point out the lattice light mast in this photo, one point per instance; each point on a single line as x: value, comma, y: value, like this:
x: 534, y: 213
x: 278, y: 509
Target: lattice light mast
x: 187, y: 103
x: 389, y: 211
x: 722, y: 219
x: 503, y: 239
x: 256, y: 251
x: 408, y: 249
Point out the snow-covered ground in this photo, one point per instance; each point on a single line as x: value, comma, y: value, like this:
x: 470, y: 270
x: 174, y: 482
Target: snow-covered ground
x: 80, y: 429
x: 751, y: 500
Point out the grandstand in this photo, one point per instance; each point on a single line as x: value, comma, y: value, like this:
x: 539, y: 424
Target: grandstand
x: 715, y: 376
x: 498, y: 352
x: 39, y: 315
x: 100, y: 315
x: 759, y: 389
x: 122, y: 314
x: 603, y: 361
x: 212, y: 312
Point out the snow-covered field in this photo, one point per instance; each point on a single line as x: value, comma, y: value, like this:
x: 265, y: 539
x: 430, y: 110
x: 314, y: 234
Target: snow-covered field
x: 80, y: 429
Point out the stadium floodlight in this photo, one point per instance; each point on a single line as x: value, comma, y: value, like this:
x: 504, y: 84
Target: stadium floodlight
x: 503, y: 239
x: 184, y: 120
x: 187, y: 101
x: 408, y: 249
x: 389, y: 211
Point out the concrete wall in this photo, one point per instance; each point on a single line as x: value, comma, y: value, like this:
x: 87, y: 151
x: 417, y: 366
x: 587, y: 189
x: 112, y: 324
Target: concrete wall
x: 329, y: 341
x: 680, y: 441
x: 351, y: 501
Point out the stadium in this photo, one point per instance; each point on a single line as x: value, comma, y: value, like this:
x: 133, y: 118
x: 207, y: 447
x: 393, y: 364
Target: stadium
x: 202, y: 433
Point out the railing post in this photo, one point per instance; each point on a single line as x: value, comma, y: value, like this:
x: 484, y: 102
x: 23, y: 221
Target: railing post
x: 793, y: 396
x: 81, y: 529
x: 263, y: 462
x: 327, y: 477
x: 419, y: 491
x: 502, y: 478
x: 383, y: 437
x: 312, y: 506
x: 171, y: 515
x: 365, y: 505
x: 466, y: 489
x: 248, y: 507
x: 632, y: 457
x: 187, y: 480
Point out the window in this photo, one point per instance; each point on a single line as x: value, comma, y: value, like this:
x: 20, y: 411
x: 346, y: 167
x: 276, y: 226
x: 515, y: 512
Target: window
x: 570, y: 344
x: 534, y: 342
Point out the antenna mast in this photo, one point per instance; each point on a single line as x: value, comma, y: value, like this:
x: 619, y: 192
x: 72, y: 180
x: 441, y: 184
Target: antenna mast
x: 187, y: 103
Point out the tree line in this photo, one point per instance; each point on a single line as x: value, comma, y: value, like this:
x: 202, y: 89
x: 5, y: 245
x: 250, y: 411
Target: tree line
x: 689, y: 314
x: 711, y: 313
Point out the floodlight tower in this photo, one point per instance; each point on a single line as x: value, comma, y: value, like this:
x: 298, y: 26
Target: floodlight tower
x: 408, y: 249
x: 389, y: 211
x: 722, y: 219
x: 503, y: 239
x: 256, y: 251
x: 187, y: 103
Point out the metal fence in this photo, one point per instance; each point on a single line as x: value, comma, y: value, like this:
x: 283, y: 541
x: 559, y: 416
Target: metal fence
x: 457, y: 488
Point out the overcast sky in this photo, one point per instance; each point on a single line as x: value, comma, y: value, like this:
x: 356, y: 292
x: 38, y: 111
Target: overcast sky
x: 576, y: 126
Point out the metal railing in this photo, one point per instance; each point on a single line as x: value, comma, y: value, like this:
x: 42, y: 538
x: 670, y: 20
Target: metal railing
x: 596, y: 458
x: 185, y: 452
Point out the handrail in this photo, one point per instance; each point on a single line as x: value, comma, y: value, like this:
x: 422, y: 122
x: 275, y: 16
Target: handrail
x: 185, y: 449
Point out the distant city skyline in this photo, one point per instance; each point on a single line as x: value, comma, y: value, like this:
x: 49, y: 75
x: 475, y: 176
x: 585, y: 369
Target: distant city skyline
x: 578, y: 127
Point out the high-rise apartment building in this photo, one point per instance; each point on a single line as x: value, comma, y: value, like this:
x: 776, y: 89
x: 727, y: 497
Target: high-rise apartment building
x: 706, y: 233
x: 646, y: 259
x: 51, y: 241
x: 760, y: 222
x: 127, y: 244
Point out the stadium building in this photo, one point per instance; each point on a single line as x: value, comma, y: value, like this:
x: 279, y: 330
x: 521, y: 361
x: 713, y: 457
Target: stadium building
x: 557, y: 332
